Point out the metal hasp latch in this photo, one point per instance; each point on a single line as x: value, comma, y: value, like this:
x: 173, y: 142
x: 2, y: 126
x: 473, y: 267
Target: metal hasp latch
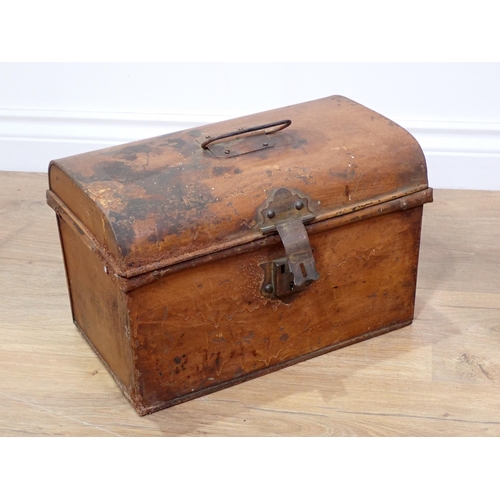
x: 287, y: 213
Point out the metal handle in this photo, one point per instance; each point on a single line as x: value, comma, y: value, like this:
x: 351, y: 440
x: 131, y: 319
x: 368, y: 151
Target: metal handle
x: 278, y: 125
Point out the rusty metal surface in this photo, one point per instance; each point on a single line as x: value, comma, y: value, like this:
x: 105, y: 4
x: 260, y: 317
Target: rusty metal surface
x: 162, y: 201
x: 281, y: 206
x: 286, y: 213
x: 171, y: 252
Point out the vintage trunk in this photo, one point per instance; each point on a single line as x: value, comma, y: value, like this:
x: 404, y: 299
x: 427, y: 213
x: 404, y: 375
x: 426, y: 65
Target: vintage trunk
x: 199, y: 259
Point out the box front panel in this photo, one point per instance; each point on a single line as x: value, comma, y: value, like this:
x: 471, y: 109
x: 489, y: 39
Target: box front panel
x: 209, y: 326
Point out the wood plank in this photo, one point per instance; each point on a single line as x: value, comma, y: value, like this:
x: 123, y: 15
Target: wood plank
x: 438, y: 377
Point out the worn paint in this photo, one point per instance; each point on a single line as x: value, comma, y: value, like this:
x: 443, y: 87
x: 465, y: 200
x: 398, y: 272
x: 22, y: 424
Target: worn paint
x: 178, y: 231
x: 229, y: 347
x: 167, y: 196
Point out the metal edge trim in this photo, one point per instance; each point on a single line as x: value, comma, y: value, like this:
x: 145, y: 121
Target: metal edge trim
x: 131, y: 281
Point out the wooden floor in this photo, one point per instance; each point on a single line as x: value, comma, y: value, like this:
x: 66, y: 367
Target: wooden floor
x: 437, y: 377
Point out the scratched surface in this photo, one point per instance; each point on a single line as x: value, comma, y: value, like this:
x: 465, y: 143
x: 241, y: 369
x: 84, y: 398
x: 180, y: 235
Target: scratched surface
x: 155, y: 203
x: 167, y: 196
x: 438, y: 377
x: 208, y: 325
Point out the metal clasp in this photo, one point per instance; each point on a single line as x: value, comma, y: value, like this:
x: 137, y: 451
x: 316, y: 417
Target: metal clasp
x: 287, y: 213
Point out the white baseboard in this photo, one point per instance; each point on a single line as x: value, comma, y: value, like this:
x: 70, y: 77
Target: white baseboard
x: 460, y: 155
x: 30, y: 139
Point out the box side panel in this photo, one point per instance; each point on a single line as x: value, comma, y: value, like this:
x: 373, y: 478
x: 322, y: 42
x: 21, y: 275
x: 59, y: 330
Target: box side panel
x: 208, y: 327
x: 99, y: 307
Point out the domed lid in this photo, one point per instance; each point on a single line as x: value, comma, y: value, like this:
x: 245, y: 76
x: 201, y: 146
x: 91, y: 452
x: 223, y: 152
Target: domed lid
x: 157, y: 202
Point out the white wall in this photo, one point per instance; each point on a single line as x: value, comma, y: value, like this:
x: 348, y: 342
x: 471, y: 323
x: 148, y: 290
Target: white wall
x: 54, y: 110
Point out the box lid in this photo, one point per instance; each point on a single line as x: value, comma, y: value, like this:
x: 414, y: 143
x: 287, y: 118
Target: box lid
x: 157, y: 202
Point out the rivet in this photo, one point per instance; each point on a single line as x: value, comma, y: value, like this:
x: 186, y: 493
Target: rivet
x: 268, y: 288
x: 227, y: 151
x: 299, y: 205
x: 265, y: 144
x: 270, y: 214
x: 207, y: 137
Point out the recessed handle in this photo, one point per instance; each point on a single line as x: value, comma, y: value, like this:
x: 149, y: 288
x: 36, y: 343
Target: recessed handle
x: 277, y: 126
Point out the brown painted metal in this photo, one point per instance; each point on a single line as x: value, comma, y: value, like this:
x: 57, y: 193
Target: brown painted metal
x: 165, y: 252
x: 157, y: 202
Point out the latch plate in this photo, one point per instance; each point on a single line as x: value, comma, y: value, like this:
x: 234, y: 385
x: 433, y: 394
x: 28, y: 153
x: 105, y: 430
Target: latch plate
x: 287, y: 213
x: 278, y: 279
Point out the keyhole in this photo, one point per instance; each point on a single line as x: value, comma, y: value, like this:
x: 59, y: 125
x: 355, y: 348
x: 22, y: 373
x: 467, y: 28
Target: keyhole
x: 303, y: 269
